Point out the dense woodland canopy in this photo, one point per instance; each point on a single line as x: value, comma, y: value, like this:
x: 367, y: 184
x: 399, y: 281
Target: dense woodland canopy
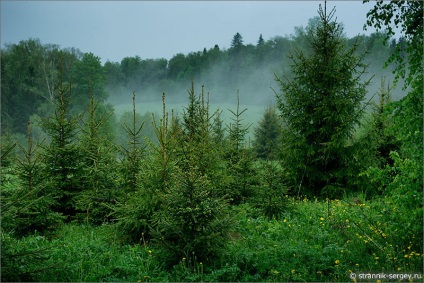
x: 328, y: 185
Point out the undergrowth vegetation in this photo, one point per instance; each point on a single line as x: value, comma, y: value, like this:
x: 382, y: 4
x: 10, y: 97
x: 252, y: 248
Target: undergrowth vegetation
x: 314, y: 240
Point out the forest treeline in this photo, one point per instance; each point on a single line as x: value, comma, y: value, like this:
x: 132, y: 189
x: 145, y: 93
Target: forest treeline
x: 30, y: 69
x: 192, y: 189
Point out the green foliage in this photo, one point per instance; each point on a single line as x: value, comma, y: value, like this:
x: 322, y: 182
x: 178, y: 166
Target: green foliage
x: 267, y: 135
x: 23, y: 260
x: 218, y: 130
x: 402, y: 178
x: 239, y: 159
x: 132, y: 155
x: 88, y: 77
x: 29, y: 71
x: 320, y: 107
x: 147, y: 132
x: 98, y: 164
x: 23, y: 87
x: 27, y: 207
x: 314, y: 241
x: 7, y: 148
x: 193, y: 221
x: 271, y: 195
x: 91, y: 254
x: 162, y: 158
x: 62, y: 157
x: 134, y: 211
x: 405, y: 16
x: 319, y: 241
x: 237, y: 42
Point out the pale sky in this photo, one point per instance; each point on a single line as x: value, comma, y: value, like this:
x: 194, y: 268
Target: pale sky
x: 113, y: 30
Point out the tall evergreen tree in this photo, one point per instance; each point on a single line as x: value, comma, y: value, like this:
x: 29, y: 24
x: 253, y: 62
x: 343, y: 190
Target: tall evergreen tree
x: 28, y: 206
x: 267, y: 134
x: 132, y: 155
x: 193, y: 222
x: 261, y: 40
x: 239, y: 157
x: 134, y: 212
x: 62, y: 155
x: 237, y: 41
x: 320, y: 107
x: 99, y: 165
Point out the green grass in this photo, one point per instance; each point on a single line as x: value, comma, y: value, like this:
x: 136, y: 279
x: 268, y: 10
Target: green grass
x: 314, y: 240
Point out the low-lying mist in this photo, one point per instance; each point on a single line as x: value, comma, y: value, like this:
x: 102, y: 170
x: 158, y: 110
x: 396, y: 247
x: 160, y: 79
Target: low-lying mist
x: 256, y: 89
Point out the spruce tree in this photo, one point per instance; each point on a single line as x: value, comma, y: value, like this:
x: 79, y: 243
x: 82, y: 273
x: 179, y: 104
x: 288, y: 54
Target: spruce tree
x: 267, y: 135
x: 132, y: 155
x: 239, y: 158
x: 26, y: 201
x: 320, y: 106
x: 194, y: 220
x: 99, y: 163
x: 134, y: 212
x: 62, y: 156
x: 271, y: 196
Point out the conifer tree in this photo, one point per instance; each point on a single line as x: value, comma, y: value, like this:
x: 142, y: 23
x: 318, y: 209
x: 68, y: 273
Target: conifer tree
x: 271, y: 193
x: 260, y: 40
x: 62, y: 157
x: 132, y: 156
x: 134, y: 212
x: 28, y: 207
x: 98, y: 180
x: 218, y: 130
x: 193, y: 222
x: 385, y: 141
x: 164, y: 153
x: 239, y: 159
x: 237, y: 42
x: 267, y: 135
x: 320, y: 107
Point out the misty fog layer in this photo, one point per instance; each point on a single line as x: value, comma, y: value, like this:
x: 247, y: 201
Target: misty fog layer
x: 245, y: 69
x: 31, y: 71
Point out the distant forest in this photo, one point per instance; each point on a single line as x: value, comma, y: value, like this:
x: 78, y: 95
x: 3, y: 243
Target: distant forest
x: 31, y: 69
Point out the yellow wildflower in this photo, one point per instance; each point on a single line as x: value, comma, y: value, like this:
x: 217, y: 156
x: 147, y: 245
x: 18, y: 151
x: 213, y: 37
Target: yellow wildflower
x: 337, y: 261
